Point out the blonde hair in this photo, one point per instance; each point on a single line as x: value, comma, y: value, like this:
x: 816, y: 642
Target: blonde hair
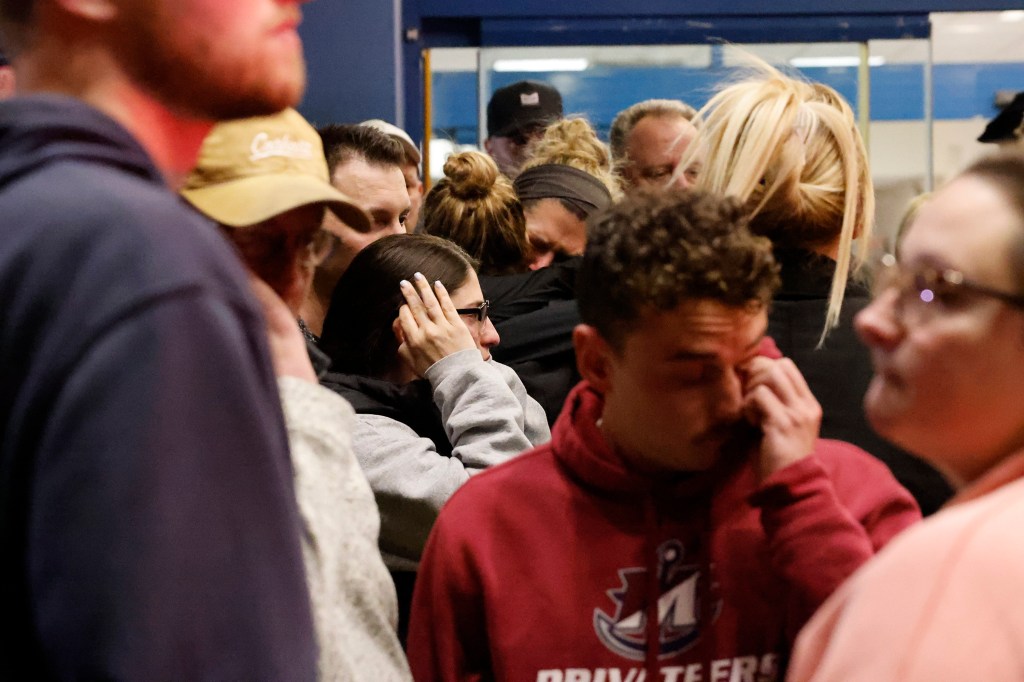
x: 790, y: 150
x: 573, y: 142
x: 475, y: 206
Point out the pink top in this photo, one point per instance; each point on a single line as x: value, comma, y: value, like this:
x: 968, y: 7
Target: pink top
x: 944, y: 601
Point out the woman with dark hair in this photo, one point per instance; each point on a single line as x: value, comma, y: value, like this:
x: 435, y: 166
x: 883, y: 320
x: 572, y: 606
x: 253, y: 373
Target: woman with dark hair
x: 475, y: 206
x: 431, y: 405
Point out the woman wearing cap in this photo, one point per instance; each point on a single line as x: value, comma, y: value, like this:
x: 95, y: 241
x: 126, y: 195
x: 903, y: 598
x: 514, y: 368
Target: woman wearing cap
x: 264, y: 180
x: 410, y: 345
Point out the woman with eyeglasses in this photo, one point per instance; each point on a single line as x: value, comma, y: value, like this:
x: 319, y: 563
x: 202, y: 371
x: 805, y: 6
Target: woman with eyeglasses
x: 946, y: 333
x: 410, y: 343
x: 790, y: 150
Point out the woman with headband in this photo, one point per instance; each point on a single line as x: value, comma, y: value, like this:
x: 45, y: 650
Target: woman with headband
x: 567, y: 179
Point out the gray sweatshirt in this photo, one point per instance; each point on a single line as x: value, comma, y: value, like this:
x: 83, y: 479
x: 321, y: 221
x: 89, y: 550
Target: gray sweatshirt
x: 489, y: 419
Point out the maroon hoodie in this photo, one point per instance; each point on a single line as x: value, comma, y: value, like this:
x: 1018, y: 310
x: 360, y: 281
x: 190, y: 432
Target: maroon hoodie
x: 568, y: 565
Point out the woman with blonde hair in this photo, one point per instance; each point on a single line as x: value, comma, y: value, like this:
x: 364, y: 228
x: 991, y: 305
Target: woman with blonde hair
x: 791, y: 151
x: 475, y: 206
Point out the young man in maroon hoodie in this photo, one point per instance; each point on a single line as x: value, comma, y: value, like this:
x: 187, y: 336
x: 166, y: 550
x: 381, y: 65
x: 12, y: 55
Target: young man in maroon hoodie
x: 685, y: 519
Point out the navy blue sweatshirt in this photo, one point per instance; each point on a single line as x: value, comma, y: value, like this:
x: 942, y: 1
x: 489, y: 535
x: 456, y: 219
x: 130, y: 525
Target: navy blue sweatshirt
x: 148, y: 526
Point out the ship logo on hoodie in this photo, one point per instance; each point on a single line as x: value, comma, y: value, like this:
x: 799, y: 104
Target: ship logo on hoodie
x: 678, y: 603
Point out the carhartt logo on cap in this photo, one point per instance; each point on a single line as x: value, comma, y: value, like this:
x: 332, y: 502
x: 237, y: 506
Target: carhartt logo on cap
x: 529, y: 99
x: 263, y: 147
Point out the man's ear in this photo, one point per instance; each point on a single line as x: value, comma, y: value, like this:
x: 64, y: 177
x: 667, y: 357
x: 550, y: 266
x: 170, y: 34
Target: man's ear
x: 593, y: 357
x: 91, y: 10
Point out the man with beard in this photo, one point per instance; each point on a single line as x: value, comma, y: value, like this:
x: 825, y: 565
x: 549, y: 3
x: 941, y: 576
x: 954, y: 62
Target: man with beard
x: 271, y: 206
x: 148, y: 526
x: 685, y: 519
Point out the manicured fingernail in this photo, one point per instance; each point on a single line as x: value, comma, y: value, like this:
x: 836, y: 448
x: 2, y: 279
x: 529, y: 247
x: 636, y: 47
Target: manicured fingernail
x: 404, y: 284
x: 438, y: 285
x: 419, y: 277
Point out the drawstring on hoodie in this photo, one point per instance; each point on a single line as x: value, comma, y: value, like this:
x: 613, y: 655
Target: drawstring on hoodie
x: 653, y: 629
x: 705, y: 593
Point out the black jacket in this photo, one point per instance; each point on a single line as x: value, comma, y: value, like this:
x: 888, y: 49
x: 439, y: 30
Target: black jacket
x: 411, y: 404
x: 535, y: 314
x: 839, y: 372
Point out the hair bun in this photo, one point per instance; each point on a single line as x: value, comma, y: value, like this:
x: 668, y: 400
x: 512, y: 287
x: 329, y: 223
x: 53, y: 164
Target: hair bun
x: 471, y: 175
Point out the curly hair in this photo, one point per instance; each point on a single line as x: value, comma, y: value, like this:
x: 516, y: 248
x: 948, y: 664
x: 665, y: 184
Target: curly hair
x: 573, y: 142
x: 476, y: 207
x: 653, y: 251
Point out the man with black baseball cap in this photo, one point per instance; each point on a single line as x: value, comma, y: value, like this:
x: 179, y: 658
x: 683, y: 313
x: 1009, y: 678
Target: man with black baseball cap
x: 516, y: 115
x: 1007, y: 128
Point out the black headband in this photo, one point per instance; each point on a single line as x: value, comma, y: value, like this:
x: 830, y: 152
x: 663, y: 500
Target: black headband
x: 558, y: 181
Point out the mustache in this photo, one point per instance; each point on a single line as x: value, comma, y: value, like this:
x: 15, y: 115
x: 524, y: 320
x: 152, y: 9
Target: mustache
x: 737, y: 435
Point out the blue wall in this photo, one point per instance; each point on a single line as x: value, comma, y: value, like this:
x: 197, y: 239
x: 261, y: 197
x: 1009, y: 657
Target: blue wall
x: 352, y: 53
x: 897, y: 91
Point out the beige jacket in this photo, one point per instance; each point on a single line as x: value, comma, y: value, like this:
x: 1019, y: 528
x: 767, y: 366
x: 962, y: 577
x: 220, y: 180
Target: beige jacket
x: 354, y: 605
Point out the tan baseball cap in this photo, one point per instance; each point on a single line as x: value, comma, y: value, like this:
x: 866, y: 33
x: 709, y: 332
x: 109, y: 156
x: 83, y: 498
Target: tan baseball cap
x: 394, y: 131
x: 252, y: 169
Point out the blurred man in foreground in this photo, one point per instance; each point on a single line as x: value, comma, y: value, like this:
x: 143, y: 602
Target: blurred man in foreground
x: 148, y: 524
